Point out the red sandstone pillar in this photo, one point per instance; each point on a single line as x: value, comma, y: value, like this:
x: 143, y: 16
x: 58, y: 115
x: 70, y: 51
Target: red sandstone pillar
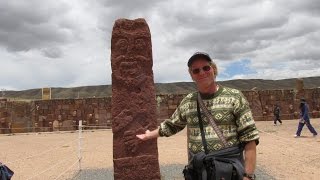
x: 133, y: 101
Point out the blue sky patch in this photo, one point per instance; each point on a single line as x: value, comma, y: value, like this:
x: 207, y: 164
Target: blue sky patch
x: 238, y: 67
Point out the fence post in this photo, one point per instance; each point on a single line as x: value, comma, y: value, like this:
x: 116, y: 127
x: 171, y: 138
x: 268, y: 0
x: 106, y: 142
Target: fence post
x: 79, y: 144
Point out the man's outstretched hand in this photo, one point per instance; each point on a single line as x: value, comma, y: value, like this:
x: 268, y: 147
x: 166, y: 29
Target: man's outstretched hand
x: 144, y: 136
x: 148, y: 135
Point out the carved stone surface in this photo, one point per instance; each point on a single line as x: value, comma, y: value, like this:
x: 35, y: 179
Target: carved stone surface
x: 133, y: 101
x: 139, y: 167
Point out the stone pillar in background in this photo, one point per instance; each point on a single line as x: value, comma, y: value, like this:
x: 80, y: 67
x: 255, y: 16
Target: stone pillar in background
x: 133, y: 101
x: 299, y: 84
x: 46, y: 93
x: 299, y: 89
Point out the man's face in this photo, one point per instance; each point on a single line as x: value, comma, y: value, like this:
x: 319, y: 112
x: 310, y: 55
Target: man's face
x: 202, y: 72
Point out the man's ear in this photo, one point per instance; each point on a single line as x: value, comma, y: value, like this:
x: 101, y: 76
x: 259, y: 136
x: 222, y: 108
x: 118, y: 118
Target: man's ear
x: 190, y: 73
x: 215, y: 69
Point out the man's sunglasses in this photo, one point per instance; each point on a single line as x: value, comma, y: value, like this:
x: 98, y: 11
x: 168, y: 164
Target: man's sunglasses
x: 204, y: 68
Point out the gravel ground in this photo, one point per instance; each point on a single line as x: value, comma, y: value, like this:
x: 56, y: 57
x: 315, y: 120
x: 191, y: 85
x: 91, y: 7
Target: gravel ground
x: 168, y: 172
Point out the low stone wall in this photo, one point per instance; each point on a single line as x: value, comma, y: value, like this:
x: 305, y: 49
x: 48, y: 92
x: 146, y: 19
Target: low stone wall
x: 64, y: 114
x: 262, y: 103
x: 14, y: 114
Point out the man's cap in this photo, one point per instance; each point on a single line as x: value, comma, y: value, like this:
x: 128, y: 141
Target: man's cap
x: 199, y: 55
x: 302, y: 100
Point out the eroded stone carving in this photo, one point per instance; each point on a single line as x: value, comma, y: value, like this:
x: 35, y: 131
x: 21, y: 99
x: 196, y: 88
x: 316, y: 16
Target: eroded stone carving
x: 133, y: 101
x: 126, y: 168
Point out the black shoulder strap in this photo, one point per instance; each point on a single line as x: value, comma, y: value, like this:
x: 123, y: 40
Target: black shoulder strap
x: 204, y: 142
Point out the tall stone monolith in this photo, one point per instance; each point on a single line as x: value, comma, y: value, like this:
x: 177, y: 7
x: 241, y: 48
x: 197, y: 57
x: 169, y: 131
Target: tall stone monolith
x: 133, y: 101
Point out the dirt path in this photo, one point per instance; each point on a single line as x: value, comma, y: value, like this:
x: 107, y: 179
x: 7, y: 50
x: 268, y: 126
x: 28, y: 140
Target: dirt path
x: 55, y: 155
x: 286, y: 157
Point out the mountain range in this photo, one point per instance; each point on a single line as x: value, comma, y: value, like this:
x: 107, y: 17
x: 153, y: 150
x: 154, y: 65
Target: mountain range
x: 161, y: 88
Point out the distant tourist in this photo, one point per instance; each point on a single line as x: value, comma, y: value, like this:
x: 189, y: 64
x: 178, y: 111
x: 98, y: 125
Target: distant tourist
x: 291, y: 111
x: 10, y: 127
x: 304, y: 119
x: 276, y: 113
x: 221, y: 142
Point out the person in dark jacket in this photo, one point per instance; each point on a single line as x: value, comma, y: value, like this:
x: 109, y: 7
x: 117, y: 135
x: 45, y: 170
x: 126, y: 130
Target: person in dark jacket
x: 276, y: 112
x: 304, y: 119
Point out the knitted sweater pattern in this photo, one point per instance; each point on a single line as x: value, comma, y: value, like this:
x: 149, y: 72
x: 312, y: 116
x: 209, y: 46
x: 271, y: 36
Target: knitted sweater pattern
x: 231, y: 112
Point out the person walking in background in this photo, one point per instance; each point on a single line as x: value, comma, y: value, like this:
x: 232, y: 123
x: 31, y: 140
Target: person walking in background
x: 276, y: 113
x: 304, y: 119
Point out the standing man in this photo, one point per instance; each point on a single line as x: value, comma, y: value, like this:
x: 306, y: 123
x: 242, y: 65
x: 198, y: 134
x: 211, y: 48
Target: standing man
x: 304, y: 119
x: 276, y: 113
x: 227, y: 106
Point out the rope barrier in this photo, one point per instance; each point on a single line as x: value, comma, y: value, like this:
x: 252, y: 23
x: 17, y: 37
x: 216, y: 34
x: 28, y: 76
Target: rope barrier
x: 51, y: 167
x: 67, y: 170
x: 60, y: 146
x: 60, y: 162
x: 79, y: 145
x: 36, y: 128
x: 22, y: 140
x: 29, y: 157
x: 98, y: 126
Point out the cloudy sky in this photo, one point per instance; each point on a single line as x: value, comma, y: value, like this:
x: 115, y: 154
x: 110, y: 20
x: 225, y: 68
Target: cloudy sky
x: 66, y: 43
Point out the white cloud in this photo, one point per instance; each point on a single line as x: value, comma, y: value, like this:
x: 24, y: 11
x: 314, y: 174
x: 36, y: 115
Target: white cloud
x: 67, y: 43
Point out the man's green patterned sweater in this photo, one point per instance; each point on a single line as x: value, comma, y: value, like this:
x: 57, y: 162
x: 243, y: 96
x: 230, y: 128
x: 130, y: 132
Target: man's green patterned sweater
x: 231, y: 112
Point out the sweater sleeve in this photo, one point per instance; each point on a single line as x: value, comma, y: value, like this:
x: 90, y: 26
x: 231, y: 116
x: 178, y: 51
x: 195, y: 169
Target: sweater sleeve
x: 247, y: 129
x: 176, y: 123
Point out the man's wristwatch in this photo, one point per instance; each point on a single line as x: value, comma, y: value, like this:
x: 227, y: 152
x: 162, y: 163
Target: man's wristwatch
x: 250, y: 176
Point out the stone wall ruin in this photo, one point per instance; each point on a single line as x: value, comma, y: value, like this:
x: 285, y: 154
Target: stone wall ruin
x: 39, y: 115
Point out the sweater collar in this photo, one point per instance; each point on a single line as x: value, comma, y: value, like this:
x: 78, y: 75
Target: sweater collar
x: 213, y: 95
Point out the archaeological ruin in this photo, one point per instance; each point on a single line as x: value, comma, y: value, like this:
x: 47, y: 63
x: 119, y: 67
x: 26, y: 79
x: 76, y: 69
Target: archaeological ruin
x: 133, y: 106
x: 40, y: 115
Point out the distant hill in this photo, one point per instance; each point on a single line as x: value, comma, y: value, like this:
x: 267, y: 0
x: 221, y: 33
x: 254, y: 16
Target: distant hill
x: 163, y: 88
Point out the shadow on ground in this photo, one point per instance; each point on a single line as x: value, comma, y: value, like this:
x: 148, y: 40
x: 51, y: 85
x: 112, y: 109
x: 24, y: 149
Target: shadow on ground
x: 168, y: 172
